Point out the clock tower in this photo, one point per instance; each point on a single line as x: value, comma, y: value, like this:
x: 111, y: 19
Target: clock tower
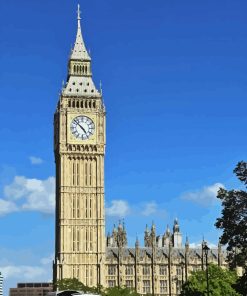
x: 79, y: 146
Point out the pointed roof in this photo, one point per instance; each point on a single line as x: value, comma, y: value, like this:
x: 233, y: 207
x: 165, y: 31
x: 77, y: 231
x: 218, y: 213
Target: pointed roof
x: 114, y: 229
x: 168, y: 231
x: 79, y: 80
x: 137, y: 243
x: 79, y: 52
x: 146, y: 230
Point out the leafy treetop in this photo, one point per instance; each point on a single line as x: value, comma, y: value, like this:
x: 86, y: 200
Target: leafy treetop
x: 220, y: 283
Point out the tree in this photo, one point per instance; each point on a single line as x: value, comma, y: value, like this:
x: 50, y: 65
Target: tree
x: 241, y: 285
x: 220, y: 283
x: 70, y: 284
x: 73, y: 285
x: 120, y: 292
x: 233, y: 222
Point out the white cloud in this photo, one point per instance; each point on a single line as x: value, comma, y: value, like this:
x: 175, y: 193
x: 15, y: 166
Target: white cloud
x: 150, y: 208
x: 7, y: 207
x: 30, y: 194
x: 23, y: 271
x: 121, y: 208
x: 35, y: 160
x: 204, y: 197
x: 198, y: 245
x: 195, y: 245
x: 24, y: 265
x: 118, y: 208
x: 47, y: 260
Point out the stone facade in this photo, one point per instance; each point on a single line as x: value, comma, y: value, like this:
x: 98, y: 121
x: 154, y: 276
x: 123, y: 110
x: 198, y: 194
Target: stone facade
x: 79, y: 146
x: 81, y: 250
x: 158, y: 268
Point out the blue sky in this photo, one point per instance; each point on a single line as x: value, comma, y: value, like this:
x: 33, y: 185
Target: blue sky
x: 174, y: 83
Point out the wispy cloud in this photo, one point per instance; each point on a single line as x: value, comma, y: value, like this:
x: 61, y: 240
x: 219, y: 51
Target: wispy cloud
x: 122, y: 208
x: 118, y: 208
x: 205, y: 197
x: 7, y: 207
x: 47, y: 260
x: 150, y: 208
x: 35, y: 160
x: 198, y: 245
x: 25, y: 194
x: 23, y: 271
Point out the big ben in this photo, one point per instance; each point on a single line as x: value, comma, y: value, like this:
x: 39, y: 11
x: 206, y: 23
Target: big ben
x: 79, y: 146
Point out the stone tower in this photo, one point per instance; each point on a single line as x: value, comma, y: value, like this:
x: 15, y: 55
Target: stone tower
x: 177, y: 235
x: 79, y: 146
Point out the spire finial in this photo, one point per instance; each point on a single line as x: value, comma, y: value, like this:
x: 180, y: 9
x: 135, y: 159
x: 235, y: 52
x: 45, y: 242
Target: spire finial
x: 100, y: 87
x: 137, y: 242
x: 78, y: 13
x: 79, y: 16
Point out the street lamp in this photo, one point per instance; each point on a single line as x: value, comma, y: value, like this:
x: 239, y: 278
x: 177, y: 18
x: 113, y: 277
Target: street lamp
x: 205, y: 250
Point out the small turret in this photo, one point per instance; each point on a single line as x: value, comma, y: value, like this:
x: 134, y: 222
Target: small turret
x: 153, y: 235
x: 113, y: 239
x: 114, y: 229
x: 146, y: 230
x: 177, y: 236
x: 166, y: 237
x: 187, y: 244
x: 176, y: 226
x: 121, y: 235
x: 153, y: 231
x: 124, y: 234
x: 108, y: 240
x: 168, y: 231
x: 137, y: 249
x: 147, y: 241
x: 137, y: 243
x: 124, y: 229
x: 120, y: 226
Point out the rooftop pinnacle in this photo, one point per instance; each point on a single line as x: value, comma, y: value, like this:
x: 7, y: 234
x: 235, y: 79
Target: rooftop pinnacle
x: 79, y: 51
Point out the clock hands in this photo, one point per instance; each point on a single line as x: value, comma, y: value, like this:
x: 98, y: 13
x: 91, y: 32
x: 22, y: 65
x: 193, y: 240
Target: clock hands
x: 81, y: 126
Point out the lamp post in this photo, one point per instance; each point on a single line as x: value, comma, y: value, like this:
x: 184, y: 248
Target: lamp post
x: 169, y: 268
x: 153, y: 242
x: 205, y: 250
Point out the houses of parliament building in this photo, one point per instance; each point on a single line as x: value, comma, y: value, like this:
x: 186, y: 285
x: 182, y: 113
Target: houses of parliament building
x: 82, y: 250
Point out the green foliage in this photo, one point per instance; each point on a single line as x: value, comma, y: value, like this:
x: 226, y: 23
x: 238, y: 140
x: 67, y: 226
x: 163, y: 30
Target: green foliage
x: 241, y: 285
x: 70, y: 284
x: 233, y: 222
x: 75, y: 285
x: 119, y: 292
x: 220, y: 283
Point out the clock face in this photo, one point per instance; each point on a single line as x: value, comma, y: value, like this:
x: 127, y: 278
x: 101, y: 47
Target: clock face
x: 82, y: 127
